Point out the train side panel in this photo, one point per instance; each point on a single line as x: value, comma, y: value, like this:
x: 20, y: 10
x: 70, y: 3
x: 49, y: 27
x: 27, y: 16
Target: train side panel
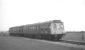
x: 39, y: 30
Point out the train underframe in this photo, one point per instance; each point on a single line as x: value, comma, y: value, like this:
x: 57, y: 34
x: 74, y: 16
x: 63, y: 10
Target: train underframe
x: 40, y: 36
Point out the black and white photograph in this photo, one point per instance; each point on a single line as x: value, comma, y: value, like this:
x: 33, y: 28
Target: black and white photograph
x: 42, y: 25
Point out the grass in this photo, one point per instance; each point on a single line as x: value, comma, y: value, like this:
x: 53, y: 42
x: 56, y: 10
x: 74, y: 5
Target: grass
x: 20, y: 43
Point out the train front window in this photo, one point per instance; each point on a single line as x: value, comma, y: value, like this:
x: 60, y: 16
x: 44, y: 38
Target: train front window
x: 57, y: 28
x: 60, y: 28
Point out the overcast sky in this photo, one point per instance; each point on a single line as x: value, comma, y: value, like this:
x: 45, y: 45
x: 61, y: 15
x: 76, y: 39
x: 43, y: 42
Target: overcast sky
x: 21, y: 12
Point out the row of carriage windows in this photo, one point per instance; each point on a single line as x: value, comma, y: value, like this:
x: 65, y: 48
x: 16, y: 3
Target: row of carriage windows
x: 45, y: 30
x: 42, y: 29
x: 25, y: 29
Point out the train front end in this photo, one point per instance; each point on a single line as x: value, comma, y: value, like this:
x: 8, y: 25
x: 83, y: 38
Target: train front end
x: 57, y: 30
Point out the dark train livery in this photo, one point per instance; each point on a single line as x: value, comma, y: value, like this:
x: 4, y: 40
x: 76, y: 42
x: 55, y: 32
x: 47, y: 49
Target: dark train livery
x: 52, y: 30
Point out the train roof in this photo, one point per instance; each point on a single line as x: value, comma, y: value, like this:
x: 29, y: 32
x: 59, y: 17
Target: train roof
x: 51, y: 21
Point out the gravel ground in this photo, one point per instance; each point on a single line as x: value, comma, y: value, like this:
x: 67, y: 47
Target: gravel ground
x: 19, y: 43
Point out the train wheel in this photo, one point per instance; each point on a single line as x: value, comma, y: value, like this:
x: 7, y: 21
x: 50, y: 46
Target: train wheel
x: 49, y: 37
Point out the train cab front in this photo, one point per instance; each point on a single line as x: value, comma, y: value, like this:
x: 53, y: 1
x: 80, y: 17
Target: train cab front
x: 57, y: 29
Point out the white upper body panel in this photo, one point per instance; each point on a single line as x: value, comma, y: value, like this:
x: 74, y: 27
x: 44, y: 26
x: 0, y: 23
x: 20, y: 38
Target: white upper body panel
x: 57, y: 28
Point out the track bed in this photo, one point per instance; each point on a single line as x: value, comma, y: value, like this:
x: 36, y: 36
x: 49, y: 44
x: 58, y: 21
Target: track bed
x: 71, y: 42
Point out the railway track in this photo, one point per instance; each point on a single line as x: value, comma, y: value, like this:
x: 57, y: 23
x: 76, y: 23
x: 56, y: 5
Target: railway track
x: 71, y: 42
x: 66, y: 41
x: 63, y: 41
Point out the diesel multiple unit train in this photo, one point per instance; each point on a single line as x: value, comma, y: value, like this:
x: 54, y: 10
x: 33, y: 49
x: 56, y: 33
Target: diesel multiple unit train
x: 52, y: 30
